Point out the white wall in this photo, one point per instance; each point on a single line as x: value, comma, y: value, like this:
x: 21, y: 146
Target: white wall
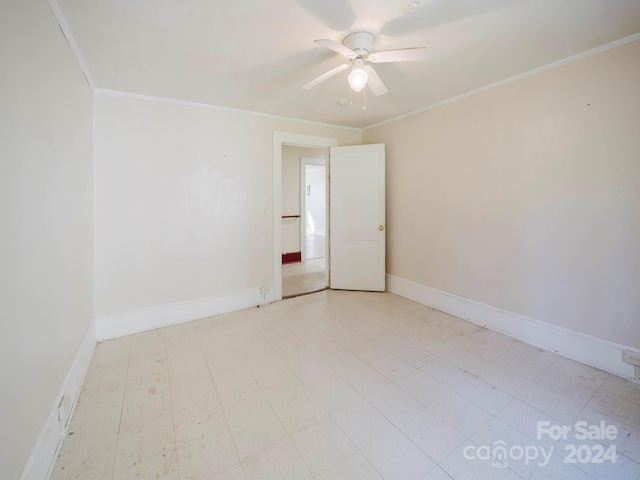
x: 527, y: 197
x: 183, y: 201
x: 46, y: 218
x: 316, y: 202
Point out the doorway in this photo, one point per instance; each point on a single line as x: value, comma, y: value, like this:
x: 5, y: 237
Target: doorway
x: 280, y: 139
x: 355, y: 236
x: 304, y: 220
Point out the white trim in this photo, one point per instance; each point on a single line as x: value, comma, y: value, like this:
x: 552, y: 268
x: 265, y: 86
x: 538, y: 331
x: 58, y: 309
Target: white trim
x: 66, y: 31
x: 43, y: 456
x: 280, y: 139
x: 143, y: 319
x: 584, y: 348
x: 186, y: 103
x: 83, y: 65
x: 515, y: 78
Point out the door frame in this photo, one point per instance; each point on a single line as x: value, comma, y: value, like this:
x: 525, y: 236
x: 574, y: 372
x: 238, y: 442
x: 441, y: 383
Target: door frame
x: 298, y: 140
x: 304, y: 161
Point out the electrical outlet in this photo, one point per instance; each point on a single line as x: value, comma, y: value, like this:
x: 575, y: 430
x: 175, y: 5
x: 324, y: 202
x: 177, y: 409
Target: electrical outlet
x: 631, y: 357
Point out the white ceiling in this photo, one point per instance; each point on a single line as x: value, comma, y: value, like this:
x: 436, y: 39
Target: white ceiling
x: 256, y: 54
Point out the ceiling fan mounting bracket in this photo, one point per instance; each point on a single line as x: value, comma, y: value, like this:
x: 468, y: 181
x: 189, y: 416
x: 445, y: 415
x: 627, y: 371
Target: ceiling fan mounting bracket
x: 360, y: 42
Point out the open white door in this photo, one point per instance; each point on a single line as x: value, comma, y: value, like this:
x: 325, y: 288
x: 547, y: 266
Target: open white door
x: 357, y: 218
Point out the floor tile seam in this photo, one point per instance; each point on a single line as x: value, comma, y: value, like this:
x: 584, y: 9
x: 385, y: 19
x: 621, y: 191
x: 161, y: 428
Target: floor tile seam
x: 392, y: 380
x: 491, y: 418
x: 625, y: 398
x: 289, y: 437
x: 397, y: 427
x: 548, y: 367
x: 435, y: 354
x: 261, y: 335
x: 529, y: 437
x: 226, y: 421
x: 309, y: 392
x: 405, y: 436
x: 560, y: 421
x: 477, y: 376
x: 346, y: 380
x: 469, y: 439
x: 518, y: 432
x: 511, y: 397
x: 442, y: 359
x: 632, y: 427
x: 358, y: 450
x: 297, y: 309
x: 332, y: 465
x: 173, y: 420
x: 335, y: 339
x: 275, y: 415
x: 582, y: 467
x: 115, y: 453
x: 615, y: 394
x: 600, y: 442
x: 368, y: 362
x: 353, y: 353
x: 516, y: 372
x: 557, y: 390
x: 517, y: 392
x: 422, y: 402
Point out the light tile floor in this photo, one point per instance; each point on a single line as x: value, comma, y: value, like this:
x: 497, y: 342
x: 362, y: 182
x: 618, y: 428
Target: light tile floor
x: 304, y: 277
x: 310, y: 266
x: 341, y: 385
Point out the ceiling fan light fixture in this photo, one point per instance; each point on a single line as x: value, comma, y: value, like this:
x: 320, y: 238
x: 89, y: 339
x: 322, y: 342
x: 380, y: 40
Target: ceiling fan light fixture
x: 358, y: 77
x: 357, y: 47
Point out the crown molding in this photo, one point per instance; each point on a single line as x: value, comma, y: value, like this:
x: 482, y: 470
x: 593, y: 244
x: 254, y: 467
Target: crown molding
x: 515, y: 78
x: 186, y: 103
x: 64, y: 27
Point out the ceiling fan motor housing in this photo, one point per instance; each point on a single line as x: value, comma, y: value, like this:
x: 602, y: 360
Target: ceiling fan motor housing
x: 360, y: 42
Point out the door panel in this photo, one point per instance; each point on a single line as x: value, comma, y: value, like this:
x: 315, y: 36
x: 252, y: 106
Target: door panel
x: 357, y: 220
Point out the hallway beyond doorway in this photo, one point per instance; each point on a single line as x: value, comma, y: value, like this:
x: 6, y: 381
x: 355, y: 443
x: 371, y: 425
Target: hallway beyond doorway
x: 304, y: 277
x: 316, y: 246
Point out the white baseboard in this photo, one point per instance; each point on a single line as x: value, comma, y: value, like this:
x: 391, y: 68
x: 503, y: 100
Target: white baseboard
x: 583, y: 348
x: 44, y: 454
x: 143, y: 319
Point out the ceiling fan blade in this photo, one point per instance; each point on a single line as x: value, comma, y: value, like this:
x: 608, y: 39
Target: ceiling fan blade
x: 374, y: 81
x: 336, y: 47
x: 417, y: 54
x: 325, y: 76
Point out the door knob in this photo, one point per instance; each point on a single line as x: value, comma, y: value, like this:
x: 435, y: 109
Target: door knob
x: 381, y: 227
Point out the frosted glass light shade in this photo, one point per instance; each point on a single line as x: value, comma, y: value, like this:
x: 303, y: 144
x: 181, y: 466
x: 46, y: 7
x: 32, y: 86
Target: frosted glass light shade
x: 358, y: 79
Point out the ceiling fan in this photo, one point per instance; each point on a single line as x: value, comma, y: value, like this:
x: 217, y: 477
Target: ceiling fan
x: 357, y: 47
